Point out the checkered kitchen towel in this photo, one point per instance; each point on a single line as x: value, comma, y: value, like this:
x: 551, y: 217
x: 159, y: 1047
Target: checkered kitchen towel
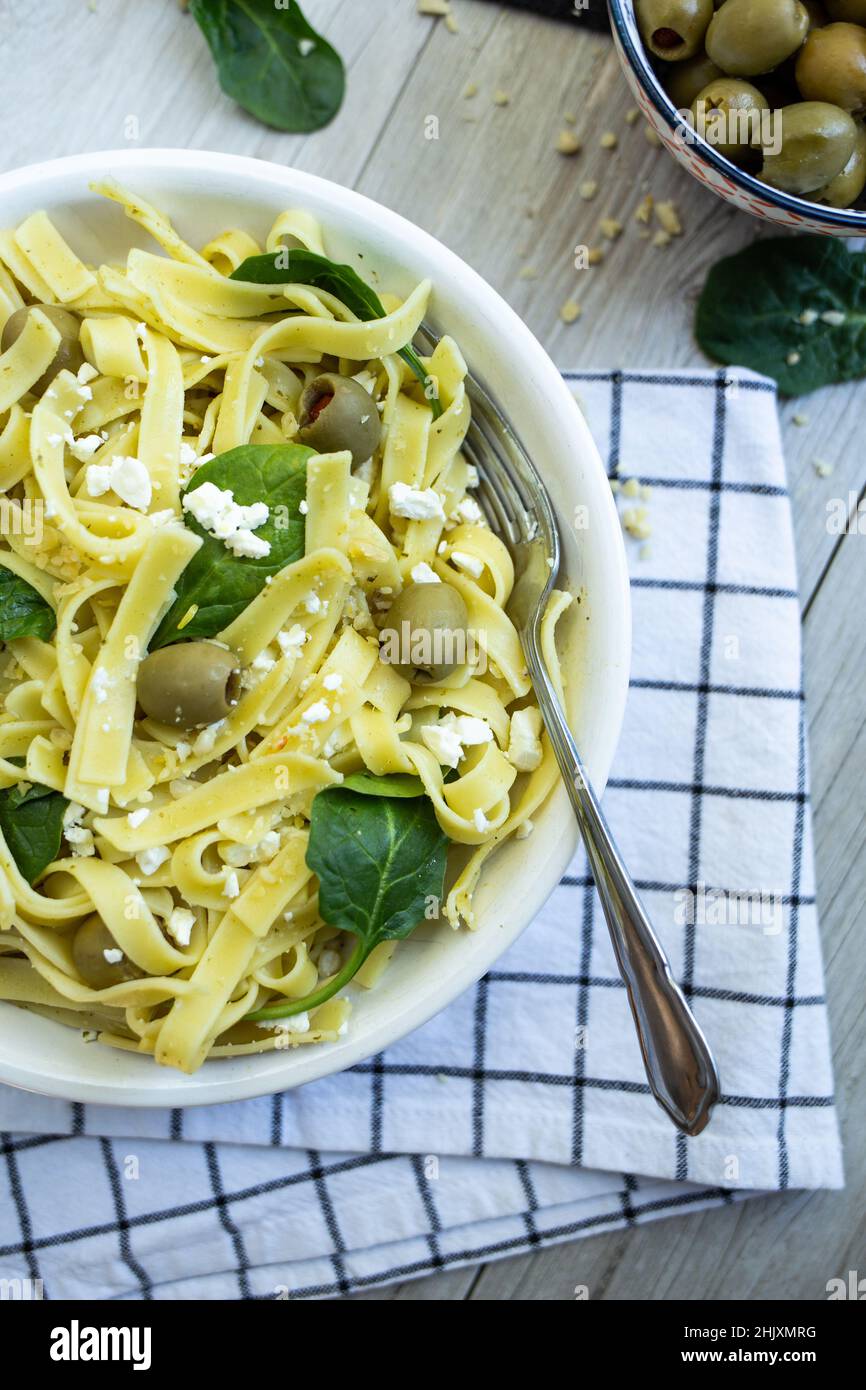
x: 488, y: 1132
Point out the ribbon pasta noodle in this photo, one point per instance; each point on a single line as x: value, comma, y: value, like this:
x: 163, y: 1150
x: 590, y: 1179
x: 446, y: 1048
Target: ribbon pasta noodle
x: 177, y: 898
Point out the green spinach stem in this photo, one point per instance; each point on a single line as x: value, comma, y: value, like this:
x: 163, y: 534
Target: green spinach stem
x: 287, y: 1007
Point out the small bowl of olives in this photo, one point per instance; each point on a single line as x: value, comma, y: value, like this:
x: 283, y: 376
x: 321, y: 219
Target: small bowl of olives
x: 764, y: 101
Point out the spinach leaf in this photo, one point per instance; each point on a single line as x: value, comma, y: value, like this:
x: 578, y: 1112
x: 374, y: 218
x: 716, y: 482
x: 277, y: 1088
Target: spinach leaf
x: 220, y: 583
x: 272, y: 62
x: 298, y: 266
x: 23, y: 612
x: 793, y: 308
x: 401, y: 784
x: 378, y: 860
x: 32, y: 826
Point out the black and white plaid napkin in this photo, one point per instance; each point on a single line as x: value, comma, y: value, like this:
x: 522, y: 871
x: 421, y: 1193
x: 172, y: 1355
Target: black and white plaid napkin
x: 521, y: 1116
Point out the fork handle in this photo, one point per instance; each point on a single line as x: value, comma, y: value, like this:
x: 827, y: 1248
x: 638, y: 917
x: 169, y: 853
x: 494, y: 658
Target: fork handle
x: 679, y: 1065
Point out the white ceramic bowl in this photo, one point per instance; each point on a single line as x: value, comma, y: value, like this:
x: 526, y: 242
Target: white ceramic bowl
x: 204, y: 194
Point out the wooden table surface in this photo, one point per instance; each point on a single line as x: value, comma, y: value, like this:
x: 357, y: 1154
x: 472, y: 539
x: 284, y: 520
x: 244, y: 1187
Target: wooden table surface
x: 102, y: 74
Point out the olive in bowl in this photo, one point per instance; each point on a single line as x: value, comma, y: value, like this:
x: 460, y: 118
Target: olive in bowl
x: 68, y: 355
x: 94, y: 952
x: 749, y: 37
x: 831, y: 66
x: 189, y: 684
x: 722, y: 100
x: 336, y: 414
x: 674, y: 29
x: 430, y: 622
x: 817, y: 140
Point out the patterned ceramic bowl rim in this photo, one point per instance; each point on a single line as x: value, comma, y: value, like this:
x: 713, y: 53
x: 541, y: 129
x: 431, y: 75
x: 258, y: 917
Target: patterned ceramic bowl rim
x: 836, y: 219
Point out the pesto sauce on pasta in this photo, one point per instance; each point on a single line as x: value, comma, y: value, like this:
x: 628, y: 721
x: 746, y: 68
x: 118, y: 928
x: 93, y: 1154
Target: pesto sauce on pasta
x: 190, y: 845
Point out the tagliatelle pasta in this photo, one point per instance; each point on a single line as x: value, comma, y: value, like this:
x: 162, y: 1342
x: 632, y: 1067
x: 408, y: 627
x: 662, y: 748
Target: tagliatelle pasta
x: 242, y: 491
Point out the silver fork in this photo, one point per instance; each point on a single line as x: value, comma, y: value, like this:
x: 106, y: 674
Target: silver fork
x: 679, y: 1064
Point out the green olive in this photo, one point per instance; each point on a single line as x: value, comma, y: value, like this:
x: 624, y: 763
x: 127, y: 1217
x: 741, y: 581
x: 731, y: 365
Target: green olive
x: 189, y: 684
x: 685, y: 80
x: 854, y: 11
x: 89, y: 944
x: 748, y: 37
x: 673, y: 29
x: 68, y: 355
x: 336, y: 414
x: 817, y: 140
x: 434, y: 642
x: 735, y: 125
x: 832, y: 67
x: 846, y: 188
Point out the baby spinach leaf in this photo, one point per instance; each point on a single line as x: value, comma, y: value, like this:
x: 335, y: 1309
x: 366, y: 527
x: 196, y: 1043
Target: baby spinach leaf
x: 32, y: 826
x: 23, y: 612
x: 379, y: 859
x: 222, y: 584
x: 395, y: 784
x: 272, y: 62
x: 298, y: 266
x: 793, y: 308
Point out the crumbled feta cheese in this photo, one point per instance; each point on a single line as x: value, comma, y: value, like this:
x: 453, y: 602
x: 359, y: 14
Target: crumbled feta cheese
x: 333, y: 681
x: 422, y: 574
x: 834, y: 317
x: 127, y: 477
x: 303, y: 508
x: 244, y: 542
x: 216, y: 511
x: 267, y: 847
x: 295, y: 1023
x: 312, y: 603
x: 86, y: 373
x: 306, y: 46
x: 443, y: 744
x: 329, y: 963
x: 113, y: 956
x: 137, y: 818
x: 318, y: 713
x: 468, y: 510
x: 418, y: 504
x: 524, y: 746
x: 181, y: 786
x: 447, y: 739
x: 470, y: 564
x: 149, y: 860
x: 263, y: 663
x: 180, y: 925
x: 207, y: 738
x: 85, y: 447
x: 231, y: 887
x: 480, y: 821
x: 293, y: 640
x: 469, y: 730
x: 80, y: 841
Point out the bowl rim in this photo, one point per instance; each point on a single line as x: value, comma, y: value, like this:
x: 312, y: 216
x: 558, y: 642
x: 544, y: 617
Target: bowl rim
x: 313, y: 1063
x: 838, y: 219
